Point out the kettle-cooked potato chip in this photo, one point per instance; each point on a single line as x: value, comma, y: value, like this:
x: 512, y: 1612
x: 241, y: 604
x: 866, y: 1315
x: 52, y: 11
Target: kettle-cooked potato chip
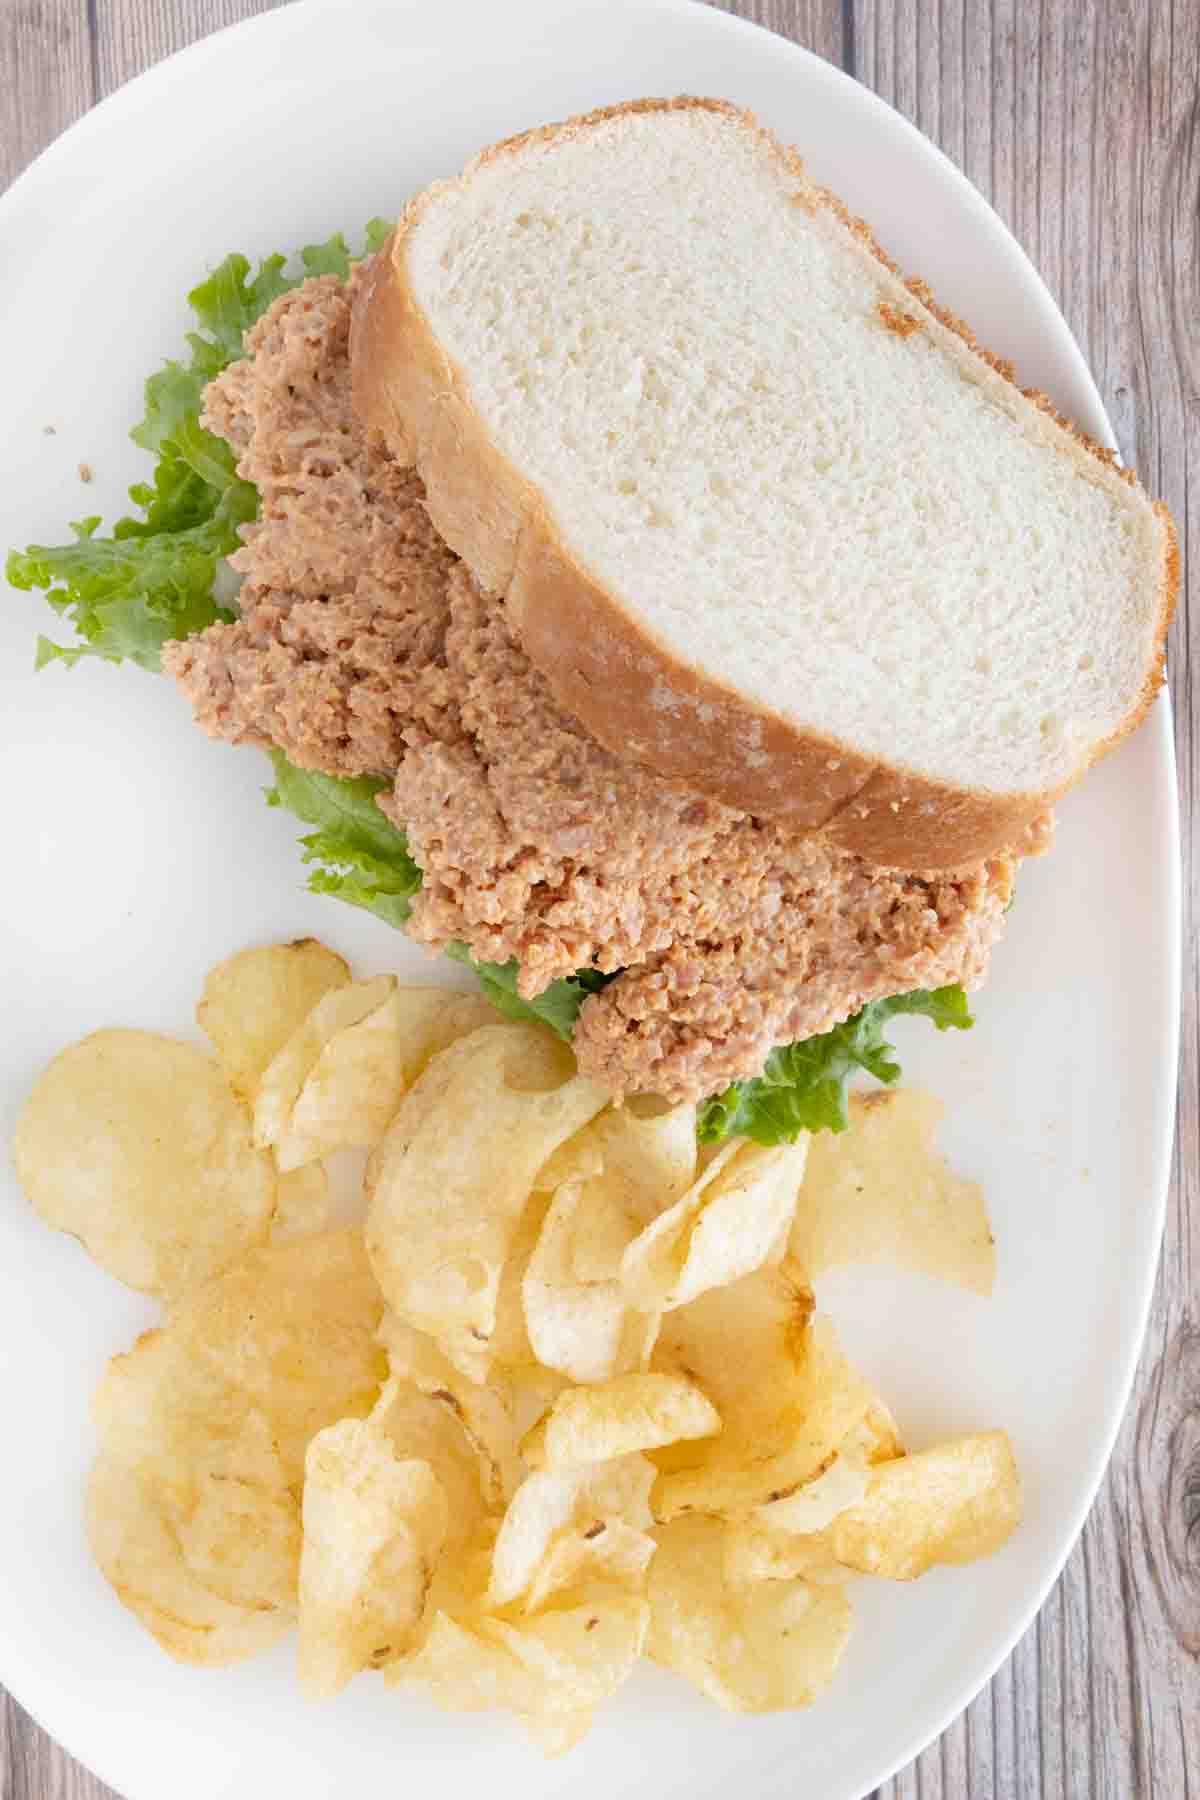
x: 606, y: 1550
x: 484, y: 1413
x: 352, y: 1092
x: 646, y: 1147
x: 577, y: 1312
x: 302, y: 1204
x: 649, y: 1153
x: 880, y: 1193
x: 284, y: 1077
x: 750, y: 1646
x: 841, y: 1483
x: 289, y: 1330
x: 787, y: 1396
x: 451, y: 1179
x: 587, y: 1324
x: 281, y: 1344
x: 786, y: 1538
x: 203, y: 1427
x: 374, y: 1528
x: 952, y: 1504
x: 135, y: 1145
x: 551, y: 1668
x: 242, y: 1541
x: 133, y: 1540
x: 579, y: 1159
x: 254, y: 1001
x: 754, y: 1552
x: 551, y: 1502
x: 628, y: 1413
x: 424, y: 1427
x: 732, y: 1221
x: 511, y: 1348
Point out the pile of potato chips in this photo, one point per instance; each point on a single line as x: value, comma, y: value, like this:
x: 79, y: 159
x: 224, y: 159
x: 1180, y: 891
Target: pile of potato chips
x: 561, y: 1400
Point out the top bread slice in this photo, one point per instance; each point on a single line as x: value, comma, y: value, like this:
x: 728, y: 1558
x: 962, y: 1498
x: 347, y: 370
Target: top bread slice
x: 764, y: 515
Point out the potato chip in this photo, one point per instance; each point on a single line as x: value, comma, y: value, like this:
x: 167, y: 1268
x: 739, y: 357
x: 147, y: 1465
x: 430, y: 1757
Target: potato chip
x: 582, y: 1323
x: 485, y: 1413
x: 135, y: 1145
x: 254, y: 1001
x: 374, y: 1528
x: 606, y: 1550
x: 302, y: 1204
x: 285, y: 1337
x: 566, y: 1398
x: 511, y: 1348
x: 551, y: 1669
x: 646, y: 1147
x: 191, y: 1464
x: 732, y: 1221
x: 751, y: 1647
x: 422, y: 1428
x: 579, y: 1159
x: 353, y: 1090
x: 649, y: 1152
x: 952, y: 1504
x: 602, y: 1229
x: 134, y: 1542
x: 842, y: 1483
x: 550, y: 1502
x: 451, y: 1179
x: 292, y: 1329
x: 532, y: 1391
x: 542, y: 1506
x: 284, y: 1077
x: 786, y: 1395
x: 580, y: 1654
x: 880, y: 1193
x: 243, y: 1541
x: 203, y: 1427
x: 753, y: 1552
x: 628, y: 1413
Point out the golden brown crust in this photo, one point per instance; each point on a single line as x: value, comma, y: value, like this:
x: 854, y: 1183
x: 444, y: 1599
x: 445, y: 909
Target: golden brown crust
x: 627, y: 687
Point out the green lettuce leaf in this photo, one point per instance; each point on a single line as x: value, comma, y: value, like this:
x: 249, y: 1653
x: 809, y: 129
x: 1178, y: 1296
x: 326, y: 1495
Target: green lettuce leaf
x: 557, y: 1006
x: 126, y: 595
x: 358, y: 854
x: 803, y: 1086
x: 377, y: 234
x: 152, y: 579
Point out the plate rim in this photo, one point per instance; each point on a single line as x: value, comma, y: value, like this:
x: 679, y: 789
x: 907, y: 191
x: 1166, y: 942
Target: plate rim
x: 23, y: 201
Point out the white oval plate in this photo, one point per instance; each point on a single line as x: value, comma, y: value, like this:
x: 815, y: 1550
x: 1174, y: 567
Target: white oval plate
x: 137, y: 854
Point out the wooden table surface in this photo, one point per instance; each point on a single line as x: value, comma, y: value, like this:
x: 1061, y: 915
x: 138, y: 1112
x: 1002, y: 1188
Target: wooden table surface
x: 1080, y: 122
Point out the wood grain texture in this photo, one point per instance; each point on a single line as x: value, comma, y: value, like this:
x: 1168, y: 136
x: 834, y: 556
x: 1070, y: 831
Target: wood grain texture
x: 1080, y: 124
x: 1080, y: 121
x: 47, y: 76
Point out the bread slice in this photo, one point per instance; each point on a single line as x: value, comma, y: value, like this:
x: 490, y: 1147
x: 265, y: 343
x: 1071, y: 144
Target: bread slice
x: 765, y: 516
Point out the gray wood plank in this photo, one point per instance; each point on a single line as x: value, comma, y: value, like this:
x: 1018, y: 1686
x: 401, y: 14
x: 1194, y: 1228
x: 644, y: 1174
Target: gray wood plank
x: 131, y: 35
x: 817, y: 24
x: 33, y: 1767
x: 46, y: 76
x: 1080, y: 123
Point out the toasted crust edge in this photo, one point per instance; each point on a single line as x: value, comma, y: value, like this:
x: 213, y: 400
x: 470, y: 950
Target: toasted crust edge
x: 631, y: 692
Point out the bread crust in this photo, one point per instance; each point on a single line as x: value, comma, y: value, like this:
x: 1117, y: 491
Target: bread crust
x: 627, y: 687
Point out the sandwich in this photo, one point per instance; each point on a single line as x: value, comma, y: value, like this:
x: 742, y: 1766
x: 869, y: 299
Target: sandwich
x: 647, y: 596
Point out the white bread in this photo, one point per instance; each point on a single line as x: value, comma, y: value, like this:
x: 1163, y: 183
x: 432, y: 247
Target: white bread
x: 765, y: 517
